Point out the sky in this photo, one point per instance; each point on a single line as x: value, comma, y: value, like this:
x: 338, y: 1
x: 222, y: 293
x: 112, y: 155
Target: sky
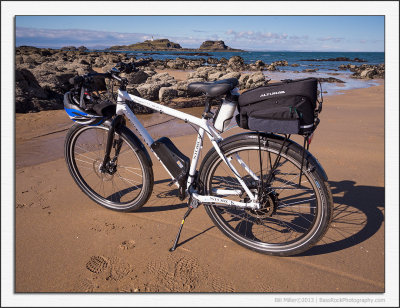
x: 274, y: 33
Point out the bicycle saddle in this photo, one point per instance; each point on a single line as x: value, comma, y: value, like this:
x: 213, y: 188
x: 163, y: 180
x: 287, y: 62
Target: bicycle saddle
x: 213, y: 89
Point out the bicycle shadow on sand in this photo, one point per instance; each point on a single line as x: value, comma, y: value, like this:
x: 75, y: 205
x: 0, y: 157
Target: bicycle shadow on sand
x: 357, y: 215
x: 161, y: 193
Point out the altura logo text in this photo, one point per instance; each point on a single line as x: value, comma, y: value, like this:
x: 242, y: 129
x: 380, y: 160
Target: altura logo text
x: 272, y: 93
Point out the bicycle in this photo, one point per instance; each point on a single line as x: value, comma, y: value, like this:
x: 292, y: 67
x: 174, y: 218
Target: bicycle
x: 262, y: 190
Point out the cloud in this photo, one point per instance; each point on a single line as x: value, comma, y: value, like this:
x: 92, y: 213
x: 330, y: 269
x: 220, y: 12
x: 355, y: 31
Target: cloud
x: 96, y: 39
x: 295, y: 37
x: 330, y: 38
x: 255, y: 36
x: 78, y: 36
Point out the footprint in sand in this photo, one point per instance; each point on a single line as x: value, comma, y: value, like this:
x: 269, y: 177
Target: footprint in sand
x: 175, y: 274
x: 97, y: 264
x: 221, y: 285
x: 119, y: 269
x: 126, y: 245
x: 84, y: 285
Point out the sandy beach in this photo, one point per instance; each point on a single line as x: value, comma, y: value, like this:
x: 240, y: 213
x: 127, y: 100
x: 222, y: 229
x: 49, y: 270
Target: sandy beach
x: 64, y: 242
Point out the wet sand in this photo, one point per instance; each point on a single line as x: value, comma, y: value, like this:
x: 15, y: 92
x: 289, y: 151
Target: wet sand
x: 67, y: 243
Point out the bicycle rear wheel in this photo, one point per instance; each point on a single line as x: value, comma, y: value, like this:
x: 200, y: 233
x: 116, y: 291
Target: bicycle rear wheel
x: 293, y: 217
x: 127, y: 183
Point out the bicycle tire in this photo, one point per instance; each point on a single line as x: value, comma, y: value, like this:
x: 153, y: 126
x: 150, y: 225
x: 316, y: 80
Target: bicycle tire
x: 242, y: 232
x: 124, y: 196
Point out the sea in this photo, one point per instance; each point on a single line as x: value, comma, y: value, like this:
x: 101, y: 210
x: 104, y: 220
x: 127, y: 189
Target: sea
x: 324, y: 68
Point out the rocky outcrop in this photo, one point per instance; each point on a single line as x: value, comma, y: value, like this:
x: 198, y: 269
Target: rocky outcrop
x: 213, y: 45
x: 253, y: 80
x: 42, y: 76
x: 365, y: 71
x: 30, y: 96
x: 236, y: 63
x: 309, y: 70
x: 330, y: 80
x: 73, y: 48
x: 280, y: 63
x: 216, y: 46
x: 160, y: 44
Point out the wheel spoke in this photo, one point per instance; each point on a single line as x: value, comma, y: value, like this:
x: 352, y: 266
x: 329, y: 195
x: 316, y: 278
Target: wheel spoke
x: 288, y: 213
x: 105, y: 186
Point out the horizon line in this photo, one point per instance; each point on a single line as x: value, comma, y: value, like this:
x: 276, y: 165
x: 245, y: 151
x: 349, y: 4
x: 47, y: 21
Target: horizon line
x: 244, y: 50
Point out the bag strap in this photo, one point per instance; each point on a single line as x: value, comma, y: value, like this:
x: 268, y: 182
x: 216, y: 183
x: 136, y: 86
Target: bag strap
x: 321, y: 96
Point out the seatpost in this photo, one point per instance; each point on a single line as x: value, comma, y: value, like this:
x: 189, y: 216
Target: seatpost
x: 207, y: 114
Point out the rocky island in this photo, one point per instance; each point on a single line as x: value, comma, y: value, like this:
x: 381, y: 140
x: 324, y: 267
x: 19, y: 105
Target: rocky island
x: 161, y: 44
x: 216, y: 46
x: 167, y: 45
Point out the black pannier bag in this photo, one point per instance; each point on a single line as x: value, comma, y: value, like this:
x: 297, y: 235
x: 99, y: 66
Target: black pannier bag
x: 287, y: 107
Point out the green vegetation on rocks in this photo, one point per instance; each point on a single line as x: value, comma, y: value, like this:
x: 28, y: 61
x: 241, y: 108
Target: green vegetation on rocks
x: 161, y: 44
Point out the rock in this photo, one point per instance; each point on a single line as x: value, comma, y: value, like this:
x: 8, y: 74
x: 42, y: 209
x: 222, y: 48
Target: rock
x: 212, y: 61
x: 19, y: 60
x: 256, y: 80
x: 236, y: 63
x: 202, y: 72
x: 368, y: 73
x: 215, y: 45
x: 30, y: 96
x: 149, y: 91
x: 164, y: 79
x: 310, y: 70
x: 280, y: 63
x: 365, y: 70
x: 294, y: 65
x: 231, y: 75
x: 259, y: 63
x: 271, y: 68
x: 215, y: 76
x: 331, y: 80
x: 137, y: 77
x: 178, y: 63
x: 190, y: 80
x: 159, y: 44
x: 137, y: 108
x: 29, y: 59
x: 150, y: 72
x: 99, y: 62
x: 84, y: 62
x: 243, y: 80
x: 166, y: 94
x: 82, y: 48
x: 69, y: 48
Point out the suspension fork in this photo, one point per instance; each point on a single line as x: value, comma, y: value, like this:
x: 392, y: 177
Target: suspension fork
x: 115, y: 123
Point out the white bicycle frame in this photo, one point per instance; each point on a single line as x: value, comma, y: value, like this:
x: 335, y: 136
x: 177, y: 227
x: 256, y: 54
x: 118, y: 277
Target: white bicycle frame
x: 204, y: 126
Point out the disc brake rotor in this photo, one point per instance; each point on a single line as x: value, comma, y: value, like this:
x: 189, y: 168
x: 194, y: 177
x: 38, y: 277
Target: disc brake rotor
x: 105, y: 176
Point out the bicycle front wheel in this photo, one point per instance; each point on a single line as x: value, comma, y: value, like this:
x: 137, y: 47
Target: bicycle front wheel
x: 293, y: 217
x: 127, y: 182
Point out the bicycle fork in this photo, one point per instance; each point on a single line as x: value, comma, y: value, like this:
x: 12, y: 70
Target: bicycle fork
x: 111, y: 143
